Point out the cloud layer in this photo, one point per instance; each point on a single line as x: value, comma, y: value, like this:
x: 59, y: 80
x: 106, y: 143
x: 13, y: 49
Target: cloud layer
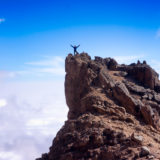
x: 47, y: 67
x: 31, y: 115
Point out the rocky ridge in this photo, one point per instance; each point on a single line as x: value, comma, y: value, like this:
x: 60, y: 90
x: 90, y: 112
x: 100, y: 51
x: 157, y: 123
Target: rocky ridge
x: 114, y: 111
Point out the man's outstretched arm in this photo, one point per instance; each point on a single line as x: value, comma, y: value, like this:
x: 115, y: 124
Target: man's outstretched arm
x: 78, y: 45
x: 72, y: 46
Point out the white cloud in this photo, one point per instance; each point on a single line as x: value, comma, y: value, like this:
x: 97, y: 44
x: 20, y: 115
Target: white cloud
x: 3, y: 103
x: 4, y: 155
x: 33, y: 113
x: 50, y: 66
x: 2, y: 20
x: 49, y: 61
x: 56, y: 71
x: 7, y: 74
x: 128, y: 59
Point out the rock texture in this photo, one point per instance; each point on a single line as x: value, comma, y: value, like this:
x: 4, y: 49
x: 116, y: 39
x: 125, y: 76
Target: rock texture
x: 114, y: 111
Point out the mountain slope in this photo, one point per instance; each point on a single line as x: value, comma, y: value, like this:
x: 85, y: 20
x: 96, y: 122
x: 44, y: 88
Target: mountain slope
x: 113, y: 111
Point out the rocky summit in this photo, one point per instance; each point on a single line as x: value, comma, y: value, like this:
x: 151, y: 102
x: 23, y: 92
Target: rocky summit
x: 114, y: 111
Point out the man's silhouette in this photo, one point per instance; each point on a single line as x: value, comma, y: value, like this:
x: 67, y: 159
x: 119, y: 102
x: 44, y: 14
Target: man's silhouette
x: 75, y: 48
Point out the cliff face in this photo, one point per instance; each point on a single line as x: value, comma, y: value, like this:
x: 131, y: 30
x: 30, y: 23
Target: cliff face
x: 114, y: 111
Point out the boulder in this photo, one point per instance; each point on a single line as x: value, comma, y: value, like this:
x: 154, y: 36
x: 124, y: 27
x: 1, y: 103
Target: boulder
x: 145, y: 151
x: 144, y: 74
x: 137, y: 138
x: 111, y: 63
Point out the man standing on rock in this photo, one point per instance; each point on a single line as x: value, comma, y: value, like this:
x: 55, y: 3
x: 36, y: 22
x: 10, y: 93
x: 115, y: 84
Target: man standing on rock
x: 75, y: 49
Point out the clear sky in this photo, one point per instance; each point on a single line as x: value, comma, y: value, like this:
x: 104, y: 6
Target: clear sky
x: 35, y: 28
x: 35, y: 37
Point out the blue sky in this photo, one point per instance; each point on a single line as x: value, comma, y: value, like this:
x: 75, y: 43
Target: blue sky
x: 35, y: 28
x: 35, y: 37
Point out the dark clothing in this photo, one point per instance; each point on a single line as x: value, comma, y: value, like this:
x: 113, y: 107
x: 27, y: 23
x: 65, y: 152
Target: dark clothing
x: 75, y: 49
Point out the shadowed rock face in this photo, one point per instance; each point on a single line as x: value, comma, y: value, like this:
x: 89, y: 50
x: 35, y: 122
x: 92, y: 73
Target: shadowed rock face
x: 114, y: 111
x: 143, y: 74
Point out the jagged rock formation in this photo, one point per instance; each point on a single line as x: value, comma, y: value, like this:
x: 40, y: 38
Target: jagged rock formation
x: 114, y: 111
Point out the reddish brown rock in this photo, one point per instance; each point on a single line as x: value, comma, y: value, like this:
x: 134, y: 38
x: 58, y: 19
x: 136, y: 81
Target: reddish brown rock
x: 144, y: 74
x: 110, y: 105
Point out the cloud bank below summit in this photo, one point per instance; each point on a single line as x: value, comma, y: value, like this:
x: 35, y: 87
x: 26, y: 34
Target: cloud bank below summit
x: 32, y: 115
